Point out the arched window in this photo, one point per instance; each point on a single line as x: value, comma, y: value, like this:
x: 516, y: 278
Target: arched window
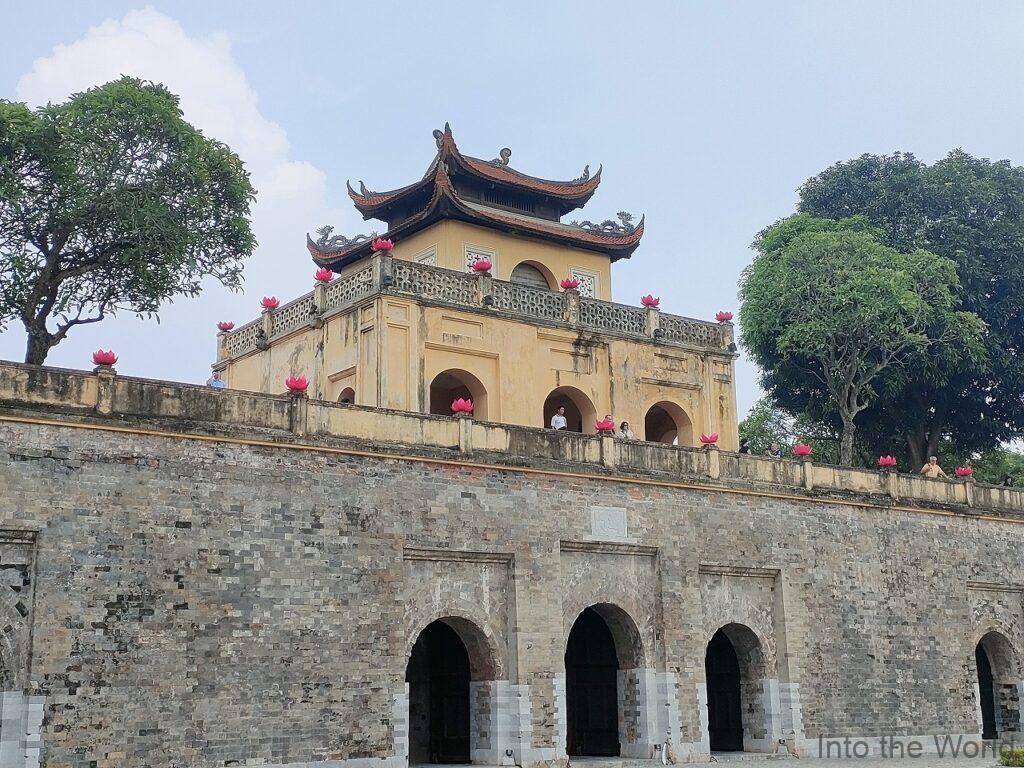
x: 533, y: 274
x: 452, y: 384
x: 666, y: 422
x: 347, y: 396
x: 580, y: 413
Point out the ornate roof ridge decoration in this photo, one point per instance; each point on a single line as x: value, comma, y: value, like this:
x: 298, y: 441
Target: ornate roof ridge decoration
x: 617, y: 241
x: 609, y: 227
x: 326, y: 241
x: 573, y: 193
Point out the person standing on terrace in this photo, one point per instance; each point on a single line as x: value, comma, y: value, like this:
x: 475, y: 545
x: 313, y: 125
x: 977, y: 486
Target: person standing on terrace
x: 932, y: 469
x: 558, y: 421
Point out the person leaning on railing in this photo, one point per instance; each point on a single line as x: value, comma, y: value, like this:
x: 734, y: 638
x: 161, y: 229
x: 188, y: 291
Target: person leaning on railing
x: 932, y: 469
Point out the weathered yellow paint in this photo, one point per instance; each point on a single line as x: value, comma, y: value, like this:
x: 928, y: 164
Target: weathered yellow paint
x: 449, y: 240
x: 389, y: 349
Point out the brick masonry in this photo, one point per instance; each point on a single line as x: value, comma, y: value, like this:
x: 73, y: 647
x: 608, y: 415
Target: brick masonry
x: 215, y: 604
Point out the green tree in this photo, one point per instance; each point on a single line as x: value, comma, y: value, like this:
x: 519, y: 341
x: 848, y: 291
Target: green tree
x: 971, y: 211
x: 827, y: 308
x: 111, y: 201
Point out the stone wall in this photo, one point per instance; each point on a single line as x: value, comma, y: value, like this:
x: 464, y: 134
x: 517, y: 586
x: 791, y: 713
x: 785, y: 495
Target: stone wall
x: 195, y: 590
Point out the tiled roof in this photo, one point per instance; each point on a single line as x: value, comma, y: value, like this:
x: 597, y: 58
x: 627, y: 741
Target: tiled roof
x: 445, y: 203
x: 575, y: 192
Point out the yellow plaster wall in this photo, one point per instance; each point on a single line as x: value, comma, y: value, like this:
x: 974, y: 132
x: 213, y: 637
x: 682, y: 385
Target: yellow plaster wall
x: 450, y: 239
x: 391, y: 348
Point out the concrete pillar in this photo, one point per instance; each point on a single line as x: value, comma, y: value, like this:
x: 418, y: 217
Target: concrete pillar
x: 572, y: 306
x: 104, y: 392
x: 299, y: 413
x: 607, y: 451
x: 714, y: 461
x: 465, y: 433
x: 652, y: 321
x: 807, y: 472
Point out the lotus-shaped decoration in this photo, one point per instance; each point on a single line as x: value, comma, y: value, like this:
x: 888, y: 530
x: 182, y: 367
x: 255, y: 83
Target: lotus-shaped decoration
x: 604, y: 425
x: 887, y: 462
x: 381, y: 244
x: 297, y: 384
x: 104, y: 357
x: 570, y: 284
x: 724, y: 317
x: 964, y: 471
x: 270, y: 302
x: 709, y: 439
x: 225, y: 325
x: 802, y: 449
x: 323, y: 275
x: 482, y: 266
x: 651, y: 302
x: 462, y: 405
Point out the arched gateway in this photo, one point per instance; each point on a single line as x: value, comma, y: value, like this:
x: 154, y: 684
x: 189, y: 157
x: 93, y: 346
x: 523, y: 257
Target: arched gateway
x: 734, y: 671
x: 603, y: 644
x: 998, y: 686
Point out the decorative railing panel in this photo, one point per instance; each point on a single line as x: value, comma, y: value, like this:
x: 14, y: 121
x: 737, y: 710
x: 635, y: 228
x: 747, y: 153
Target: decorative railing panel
x: 607, y: 316
x: 348, y: 289
x: 473, y: 292
x: 687, y: 331
x: 519, y: 299
x: 434, y: 283
x: 293, y: 315
x: 243, y: 339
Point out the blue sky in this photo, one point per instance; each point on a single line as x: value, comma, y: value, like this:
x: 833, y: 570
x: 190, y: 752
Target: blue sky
x: 706, y: 116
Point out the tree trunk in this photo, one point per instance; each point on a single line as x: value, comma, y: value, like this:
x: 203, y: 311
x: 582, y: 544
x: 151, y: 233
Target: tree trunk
x: 846, y: 442
x: 40, y: 342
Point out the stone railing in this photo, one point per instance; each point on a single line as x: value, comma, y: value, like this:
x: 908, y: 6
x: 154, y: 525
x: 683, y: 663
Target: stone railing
x: 40, y: 394
x: 385, y: 275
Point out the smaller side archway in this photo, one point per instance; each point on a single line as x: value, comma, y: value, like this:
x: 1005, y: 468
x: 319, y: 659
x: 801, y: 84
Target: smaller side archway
x: 580, y: 413
x: 735, y: 670
x: 452, y: 384
x: 347, y: 396
x: 534, y: 274
x: 999, y: 682
x: 667, y: 422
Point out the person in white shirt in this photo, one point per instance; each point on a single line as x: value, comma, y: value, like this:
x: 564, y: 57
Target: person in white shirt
x: 215, y: 381
x: 625, y: 432
x: 558, y: 421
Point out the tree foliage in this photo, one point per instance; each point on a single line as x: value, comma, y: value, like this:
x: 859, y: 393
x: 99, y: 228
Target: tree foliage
x: 971, y: 211
x: 828, y: 308
x: 112, y: 201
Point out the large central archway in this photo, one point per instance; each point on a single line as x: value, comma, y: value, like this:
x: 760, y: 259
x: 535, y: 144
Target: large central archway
x: 439, y: 708
x: 591, y: 688
x: 734, y: 672
x: 602, y: 656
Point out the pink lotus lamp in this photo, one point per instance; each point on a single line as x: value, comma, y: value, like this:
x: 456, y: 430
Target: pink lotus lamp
x: 104, y: 357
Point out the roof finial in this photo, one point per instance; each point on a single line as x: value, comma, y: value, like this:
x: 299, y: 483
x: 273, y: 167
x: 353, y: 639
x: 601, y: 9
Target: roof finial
x: 363, y: 190
x: 503, y: 156
x: 439, y: 136
x: 586, y: 174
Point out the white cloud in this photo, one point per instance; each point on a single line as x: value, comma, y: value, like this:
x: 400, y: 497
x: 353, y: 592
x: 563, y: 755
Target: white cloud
x: 216, y: 97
